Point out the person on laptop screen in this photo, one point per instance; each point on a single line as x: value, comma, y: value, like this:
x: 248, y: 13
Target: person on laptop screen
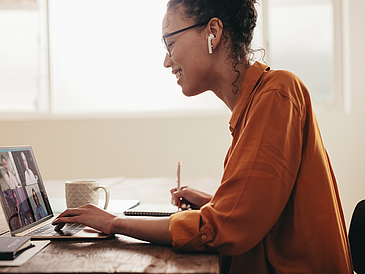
x: 10, y: 179
x: 40, y: 212
x: 277, y: 209
x: 17, y: 218
x: 30, y: 179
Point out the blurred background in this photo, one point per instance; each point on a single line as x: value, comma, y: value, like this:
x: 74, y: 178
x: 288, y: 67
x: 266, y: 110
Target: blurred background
x: 82, y: 82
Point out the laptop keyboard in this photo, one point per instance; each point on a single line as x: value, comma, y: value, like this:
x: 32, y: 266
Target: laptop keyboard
x: 48, y: 230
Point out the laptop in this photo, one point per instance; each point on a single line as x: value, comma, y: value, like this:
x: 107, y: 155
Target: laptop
x: 25, y: 202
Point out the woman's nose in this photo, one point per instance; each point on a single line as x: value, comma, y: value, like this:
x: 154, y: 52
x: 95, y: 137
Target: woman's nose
x: 167, y: 62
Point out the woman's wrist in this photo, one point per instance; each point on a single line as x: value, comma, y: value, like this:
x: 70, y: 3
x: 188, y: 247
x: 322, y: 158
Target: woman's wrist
x: 115, y: 226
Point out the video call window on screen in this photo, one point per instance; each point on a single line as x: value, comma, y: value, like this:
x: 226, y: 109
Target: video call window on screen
x: 22, y: 192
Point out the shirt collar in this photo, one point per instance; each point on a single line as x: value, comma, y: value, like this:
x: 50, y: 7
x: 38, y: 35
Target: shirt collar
x: 250, y: 80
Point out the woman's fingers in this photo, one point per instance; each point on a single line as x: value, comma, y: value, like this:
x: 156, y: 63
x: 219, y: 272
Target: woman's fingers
x: 173, y: 190
x: 177, y: 195
x: 189, y: 196
x: 89, y: 215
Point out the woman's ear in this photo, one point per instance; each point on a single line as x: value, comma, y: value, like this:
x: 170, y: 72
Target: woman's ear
x: 215, y: 28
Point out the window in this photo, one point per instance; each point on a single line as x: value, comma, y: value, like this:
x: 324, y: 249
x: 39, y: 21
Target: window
x: 306, y: 38
x: 107, y: 56
x: 305, y: 45
x: 23, y: 55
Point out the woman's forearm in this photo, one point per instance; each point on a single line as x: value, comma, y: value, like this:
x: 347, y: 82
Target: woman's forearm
x: 151, y: 229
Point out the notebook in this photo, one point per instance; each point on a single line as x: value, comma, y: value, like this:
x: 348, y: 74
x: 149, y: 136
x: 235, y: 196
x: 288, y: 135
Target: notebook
x: 25, y: 202
x: 157, y: 210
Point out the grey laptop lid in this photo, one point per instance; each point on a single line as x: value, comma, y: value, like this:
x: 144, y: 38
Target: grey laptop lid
x: 24, y: 198
x: 23, y: 195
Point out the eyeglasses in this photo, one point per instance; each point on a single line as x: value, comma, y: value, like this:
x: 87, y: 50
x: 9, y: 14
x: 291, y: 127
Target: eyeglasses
x: 167, y: 35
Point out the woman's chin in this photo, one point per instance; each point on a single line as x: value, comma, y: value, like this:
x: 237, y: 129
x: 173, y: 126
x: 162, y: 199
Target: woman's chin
x: 192, y: 94
x: 189, y: 92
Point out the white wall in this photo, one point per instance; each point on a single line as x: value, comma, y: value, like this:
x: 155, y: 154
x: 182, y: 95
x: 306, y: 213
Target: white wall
x: 145, y: 147
x: 137, y: 147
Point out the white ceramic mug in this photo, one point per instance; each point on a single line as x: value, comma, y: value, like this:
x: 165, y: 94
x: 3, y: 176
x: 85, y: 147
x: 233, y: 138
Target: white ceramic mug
x: 79, y: 193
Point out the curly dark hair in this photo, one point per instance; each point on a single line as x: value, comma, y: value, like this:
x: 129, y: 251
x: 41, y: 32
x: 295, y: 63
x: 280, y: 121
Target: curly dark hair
x: 239, y: 20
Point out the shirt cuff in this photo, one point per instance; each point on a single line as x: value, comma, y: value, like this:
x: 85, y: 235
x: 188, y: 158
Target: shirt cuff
x: 185, y: 231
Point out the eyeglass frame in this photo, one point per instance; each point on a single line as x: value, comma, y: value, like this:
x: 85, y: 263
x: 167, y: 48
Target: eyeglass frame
x: 167, y: 35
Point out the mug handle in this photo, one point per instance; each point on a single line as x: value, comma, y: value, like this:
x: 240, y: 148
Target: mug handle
x: 106, y: 195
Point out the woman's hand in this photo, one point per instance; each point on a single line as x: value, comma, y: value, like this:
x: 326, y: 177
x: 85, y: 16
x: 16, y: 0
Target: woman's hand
x: 189, y: 197
x: 89, y: 215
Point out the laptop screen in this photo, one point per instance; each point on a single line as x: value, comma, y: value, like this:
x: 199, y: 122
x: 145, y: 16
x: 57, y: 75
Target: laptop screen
x: 23, y: 195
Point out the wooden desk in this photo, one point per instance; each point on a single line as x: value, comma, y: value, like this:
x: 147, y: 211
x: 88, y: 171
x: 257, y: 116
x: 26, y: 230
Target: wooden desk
x: 120, y: 254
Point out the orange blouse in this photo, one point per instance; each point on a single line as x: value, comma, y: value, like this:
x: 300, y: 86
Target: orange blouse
x: 277, y: 209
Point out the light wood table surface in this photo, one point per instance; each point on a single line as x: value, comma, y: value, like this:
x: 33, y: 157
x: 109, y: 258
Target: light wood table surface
x: 120, y: 254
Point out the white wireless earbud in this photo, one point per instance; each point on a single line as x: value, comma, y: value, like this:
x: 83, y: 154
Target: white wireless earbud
x: 210, y: 46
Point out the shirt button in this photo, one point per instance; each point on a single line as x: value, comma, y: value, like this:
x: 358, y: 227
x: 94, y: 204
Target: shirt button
x: 203, y: 237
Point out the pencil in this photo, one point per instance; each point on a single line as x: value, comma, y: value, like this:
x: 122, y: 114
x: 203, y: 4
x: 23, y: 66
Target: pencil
x: 178, y: 180
x: 178, y: 176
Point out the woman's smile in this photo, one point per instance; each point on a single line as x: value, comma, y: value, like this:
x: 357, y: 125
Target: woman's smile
x: 178, y: 73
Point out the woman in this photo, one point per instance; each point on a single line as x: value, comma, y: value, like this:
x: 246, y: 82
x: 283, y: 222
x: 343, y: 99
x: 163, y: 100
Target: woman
x: 277, y: 209
x: 40, y: 212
